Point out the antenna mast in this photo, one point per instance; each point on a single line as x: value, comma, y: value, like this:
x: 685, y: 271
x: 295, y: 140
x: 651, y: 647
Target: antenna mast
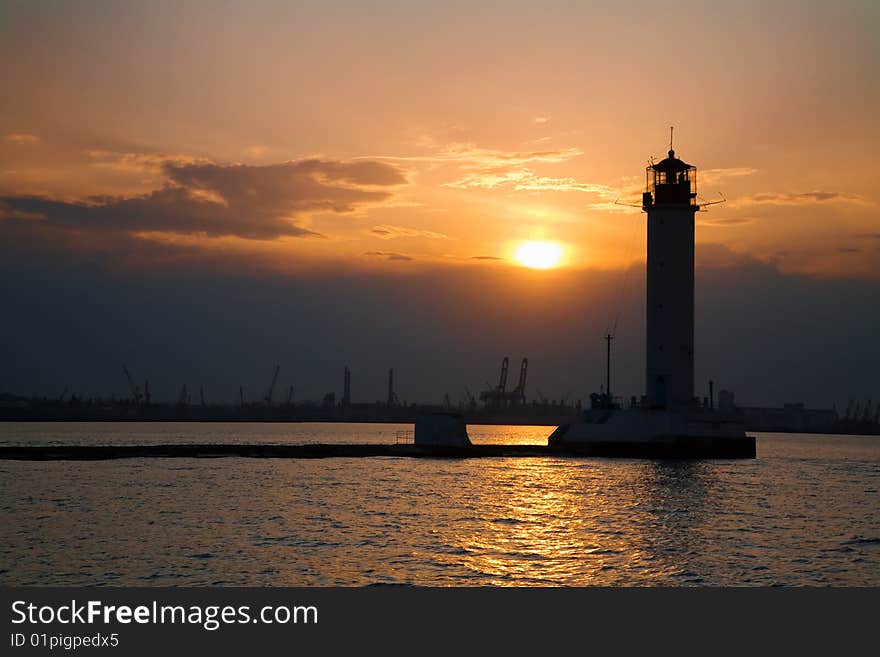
x: 671, y: 129
x: 608, y: 339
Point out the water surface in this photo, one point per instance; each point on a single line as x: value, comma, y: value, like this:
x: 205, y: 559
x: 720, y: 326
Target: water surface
x: 805, y: 512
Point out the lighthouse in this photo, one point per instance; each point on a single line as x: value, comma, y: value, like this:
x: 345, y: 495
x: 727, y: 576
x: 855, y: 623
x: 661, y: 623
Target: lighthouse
x: 669, y: 422
x: 670, y: 201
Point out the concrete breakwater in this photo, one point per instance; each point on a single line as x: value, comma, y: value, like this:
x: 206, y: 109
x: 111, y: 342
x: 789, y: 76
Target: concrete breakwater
x: 672, y: 448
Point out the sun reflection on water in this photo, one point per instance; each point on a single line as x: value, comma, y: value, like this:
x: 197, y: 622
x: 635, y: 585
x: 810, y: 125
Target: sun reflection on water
x: 556, y: 524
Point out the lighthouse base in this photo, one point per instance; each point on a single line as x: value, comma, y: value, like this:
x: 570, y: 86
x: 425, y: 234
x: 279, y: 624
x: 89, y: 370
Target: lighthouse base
x: 644, y: 433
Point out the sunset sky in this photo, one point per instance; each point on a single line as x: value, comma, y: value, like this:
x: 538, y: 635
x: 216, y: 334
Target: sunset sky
x: 333, y: 157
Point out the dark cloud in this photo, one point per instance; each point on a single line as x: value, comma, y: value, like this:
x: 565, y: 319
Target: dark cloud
x: 388, y: 255
x: 759, y: 332
x: 713, y: 255
x: 849, y: 249
x: 253, y: 202
x: 798, y: 198
x: 170, y: 209
x: 485, y: 258
x: 305, y: 181
x: 726, y: 221
x: 389, y: 232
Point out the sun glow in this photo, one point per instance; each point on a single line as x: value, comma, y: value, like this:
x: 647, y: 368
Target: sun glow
x: 539, y: 255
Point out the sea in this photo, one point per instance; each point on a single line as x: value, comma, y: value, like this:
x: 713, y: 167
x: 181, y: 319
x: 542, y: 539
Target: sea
x: 805, y: 512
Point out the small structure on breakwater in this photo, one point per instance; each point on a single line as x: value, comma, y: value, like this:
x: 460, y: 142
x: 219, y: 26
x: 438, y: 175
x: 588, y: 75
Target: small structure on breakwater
x: 441, y: 429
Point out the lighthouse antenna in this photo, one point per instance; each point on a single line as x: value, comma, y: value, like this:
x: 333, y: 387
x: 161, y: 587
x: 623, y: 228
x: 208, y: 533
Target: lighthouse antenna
x: 671, y: 129
x: 705, y: 204
x: 629, y: 205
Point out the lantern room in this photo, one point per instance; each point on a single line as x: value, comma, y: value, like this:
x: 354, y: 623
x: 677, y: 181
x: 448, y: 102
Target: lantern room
x: 670, y: 182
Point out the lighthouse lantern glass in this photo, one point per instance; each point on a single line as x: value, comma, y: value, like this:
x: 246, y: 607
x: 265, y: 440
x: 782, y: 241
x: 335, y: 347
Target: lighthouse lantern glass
x: 672, y: 181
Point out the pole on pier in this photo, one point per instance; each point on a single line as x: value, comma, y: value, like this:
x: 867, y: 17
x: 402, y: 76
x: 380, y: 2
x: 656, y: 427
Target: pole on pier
x: 608, y: 339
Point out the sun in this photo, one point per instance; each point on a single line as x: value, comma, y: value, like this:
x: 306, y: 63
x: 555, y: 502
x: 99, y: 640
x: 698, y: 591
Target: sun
x: 539, y: 255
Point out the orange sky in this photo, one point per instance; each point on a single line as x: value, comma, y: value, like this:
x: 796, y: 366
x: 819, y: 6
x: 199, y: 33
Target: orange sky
x: 403, y: 135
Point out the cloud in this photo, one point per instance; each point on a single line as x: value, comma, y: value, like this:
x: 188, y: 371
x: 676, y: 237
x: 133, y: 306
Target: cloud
x: 524, y: 179
x: 471, y: 157
x: 137, y: 162
x: 799, y: 198
x: 481, y: 257
x: 869, y: 236
x: 613, y: 206
x: 311, y: 176
x: 484, y: 168
x: 388, y: 255
x: 250, y: 202
x: 713, y: 255
x: 726, y: 221
x: 487, y: 168
x: 849, y: 249
x: 541, y: 120
x: 9, y: 212
x: 715, y: 175
x: 450, y: 327
x: 22, y: 139
x: 388, y: 232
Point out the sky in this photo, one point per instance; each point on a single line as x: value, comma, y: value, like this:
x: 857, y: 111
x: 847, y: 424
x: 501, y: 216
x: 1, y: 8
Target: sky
x: 205, y: 189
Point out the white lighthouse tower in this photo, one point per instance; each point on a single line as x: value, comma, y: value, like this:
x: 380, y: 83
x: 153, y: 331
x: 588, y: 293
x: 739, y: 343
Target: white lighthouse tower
x: 669, y: 422
x: 670, y: 201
